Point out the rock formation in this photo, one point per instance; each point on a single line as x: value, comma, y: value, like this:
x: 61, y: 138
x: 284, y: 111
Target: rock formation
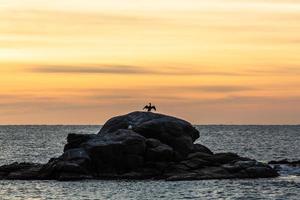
x: 140, y: 145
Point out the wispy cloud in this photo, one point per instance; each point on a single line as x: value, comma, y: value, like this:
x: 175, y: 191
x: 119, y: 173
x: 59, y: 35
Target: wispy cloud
x: 126, y: 69
x: 168, y: 71
x: 288, y: 70
x: 112, y: 69
x: 263, y: 100
x: 216, y: 88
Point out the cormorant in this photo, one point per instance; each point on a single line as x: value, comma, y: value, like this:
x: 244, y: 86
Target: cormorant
x: 149, y: 107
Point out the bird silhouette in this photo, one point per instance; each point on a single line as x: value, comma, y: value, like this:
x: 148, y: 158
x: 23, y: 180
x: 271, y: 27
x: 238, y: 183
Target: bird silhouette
x: 149, y: 107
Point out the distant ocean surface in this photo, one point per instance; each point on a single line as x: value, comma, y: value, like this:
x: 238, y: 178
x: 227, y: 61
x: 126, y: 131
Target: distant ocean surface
x: 264, y: 143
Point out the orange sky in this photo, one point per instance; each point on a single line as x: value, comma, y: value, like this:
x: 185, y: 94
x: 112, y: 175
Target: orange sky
x: 217, y: 61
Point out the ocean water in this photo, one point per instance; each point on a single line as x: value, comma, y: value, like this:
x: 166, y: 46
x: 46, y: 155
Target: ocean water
x: 264, y: 143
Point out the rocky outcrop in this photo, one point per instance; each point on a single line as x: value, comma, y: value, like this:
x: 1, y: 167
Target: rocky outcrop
x: 20, y: 171
x: 140, y: 145
x: 174, y: 132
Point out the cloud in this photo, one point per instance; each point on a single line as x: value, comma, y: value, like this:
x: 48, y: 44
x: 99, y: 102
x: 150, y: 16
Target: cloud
x: 288, y: 70
x: 216, y: 88
x: 165, y: 92
x: 125, y: 69
x: 72, y: 23
x: 266, y: 100
x: 82, y: 17
x: 112, y: 69
x: 168, y: 71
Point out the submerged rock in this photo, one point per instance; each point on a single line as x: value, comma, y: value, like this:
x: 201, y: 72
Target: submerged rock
x: 140, y: 145
x: 286, y: 167
x: 285, y: 162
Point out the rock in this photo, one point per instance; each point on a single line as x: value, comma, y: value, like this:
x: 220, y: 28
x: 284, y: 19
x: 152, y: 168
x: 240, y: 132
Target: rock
x: 202, y: 174
x: 70, y: 167
x: 75, y: 140
x: 237, y: 166
x: 156, y: 151
x: 58, y: 167
x: 133, y: 175
x: 176, y: 133
x: 139, y: 145
x: 132, y: 162
x: 246, y: 163
x: 182, y: 177
x: 222, y: 158
x: 178, y: 167
x: 201, y: 155
x: 145, y: 173
x: 15, y: 167
x: 122, y: 149
x: 28, y: 174
x: 232, y: 168
x: 20, y: 171
x: 251, y: 169
x: 175, y: 169
x: 151, y: 173
x: 79, y: 157
x: 285, y: 162
x: 201, y: 148
x: 261, y: 172
x: 152, y: 143
x: 286, y: 167
x: 215, y: 173
x: 76, y: 154
x: 195, y: 163
x: 216, y: 159
x: 157, y: 165
x: 240, y: 165
x: 66, y: 176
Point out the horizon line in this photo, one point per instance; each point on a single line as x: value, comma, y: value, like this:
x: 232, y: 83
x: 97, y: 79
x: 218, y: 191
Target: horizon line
x: 209, y: 124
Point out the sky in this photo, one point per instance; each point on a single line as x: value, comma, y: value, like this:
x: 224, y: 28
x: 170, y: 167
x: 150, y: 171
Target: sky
x: 209, y: 62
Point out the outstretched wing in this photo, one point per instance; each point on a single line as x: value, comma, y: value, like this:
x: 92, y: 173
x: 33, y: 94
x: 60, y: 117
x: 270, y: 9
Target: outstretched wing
x: 154, y: 108
x: 146, y: 107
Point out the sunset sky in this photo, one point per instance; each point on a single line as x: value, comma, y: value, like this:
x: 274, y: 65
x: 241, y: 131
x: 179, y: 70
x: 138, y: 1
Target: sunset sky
x: 210, y: 62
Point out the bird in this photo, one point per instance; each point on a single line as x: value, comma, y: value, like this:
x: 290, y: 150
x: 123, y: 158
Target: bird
x: 149, y: 107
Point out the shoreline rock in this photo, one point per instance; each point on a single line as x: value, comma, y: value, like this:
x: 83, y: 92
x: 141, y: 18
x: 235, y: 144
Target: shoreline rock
x: 285, y: 162
x: 286, y: 167
x: 140, y: 145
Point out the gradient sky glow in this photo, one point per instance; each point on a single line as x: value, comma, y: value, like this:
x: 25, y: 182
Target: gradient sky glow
x: 217, y: 61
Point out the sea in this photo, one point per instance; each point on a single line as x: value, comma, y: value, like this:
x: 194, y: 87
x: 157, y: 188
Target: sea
x: 264, y: 143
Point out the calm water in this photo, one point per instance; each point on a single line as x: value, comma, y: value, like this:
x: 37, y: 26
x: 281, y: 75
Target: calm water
x: 264, y: 143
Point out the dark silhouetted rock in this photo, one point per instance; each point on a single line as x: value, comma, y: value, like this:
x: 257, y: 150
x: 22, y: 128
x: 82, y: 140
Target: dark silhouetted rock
x: 196, y: 163
x: 119, y: 150
x: 261, y: 172
x: 139, y: 145
x: 76, y: 154
x: 55, y: 168
x: 201, y: 148
x: 222, y: 158
x: 20, y: 171
x: 66, y: 176
x: 201, y: 155
x: 176, y: 133
x: 157, y: 151
x: 75, y: 140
